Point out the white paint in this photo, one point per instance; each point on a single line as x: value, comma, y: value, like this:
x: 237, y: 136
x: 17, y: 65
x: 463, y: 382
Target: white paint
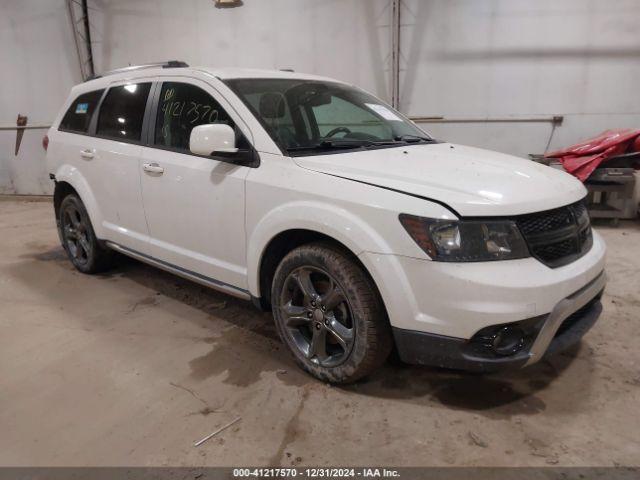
x: 215, y: 219
x: 474, y: 182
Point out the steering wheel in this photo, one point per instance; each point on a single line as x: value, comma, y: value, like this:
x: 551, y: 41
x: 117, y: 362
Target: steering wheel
x: 337, y: 130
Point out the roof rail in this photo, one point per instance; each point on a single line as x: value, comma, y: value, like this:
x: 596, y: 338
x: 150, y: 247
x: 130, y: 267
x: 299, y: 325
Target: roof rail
x: 167, y: 64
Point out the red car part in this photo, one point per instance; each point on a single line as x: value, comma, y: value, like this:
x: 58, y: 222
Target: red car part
x: 583, y: 158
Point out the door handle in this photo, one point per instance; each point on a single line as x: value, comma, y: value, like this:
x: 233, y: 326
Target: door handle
x: 88, y: 153
x: 152, y: 168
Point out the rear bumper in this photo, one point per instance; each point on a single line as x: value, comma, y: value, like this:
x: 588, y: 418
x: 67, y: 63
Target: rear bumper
x: 545, y: 335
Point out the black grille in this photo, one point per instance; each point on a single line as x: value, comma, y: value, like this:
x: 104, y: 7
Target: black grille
x: 559, y: 236
x: 545, y: 221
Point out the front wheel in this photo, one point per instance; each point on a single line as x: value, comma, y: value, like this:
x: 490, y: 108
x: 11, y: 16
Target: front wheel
x: 329, y: 313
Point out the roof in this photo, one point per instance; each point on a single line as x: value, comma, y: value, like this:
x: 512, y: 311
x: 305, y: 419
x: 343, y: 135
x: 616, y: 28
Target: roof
x: 225, y: 73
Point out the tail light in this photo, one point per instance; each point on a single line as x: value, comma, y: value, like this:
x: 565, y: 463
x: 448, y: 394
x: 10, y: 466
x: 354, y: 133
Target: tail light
x: 45, y: 142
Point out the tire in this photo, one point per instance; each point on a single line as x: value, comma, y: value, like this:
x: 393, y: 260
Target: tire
x: 79, y: 240
x: 329, y: 313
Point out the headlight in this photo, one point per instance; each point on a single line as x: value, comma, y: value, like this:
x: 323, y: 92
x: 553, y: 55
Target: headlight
x: 466, y: 240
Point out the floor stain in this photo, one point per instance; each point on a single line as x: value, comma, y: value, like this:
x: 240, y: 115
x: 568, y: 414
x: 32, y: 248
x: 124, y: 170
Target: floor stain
x: 427, y: 421
x: 191, y: 392
x: 496, y: 396
x: 244, y: 355
x: 57, y: 254
x: 291, y: 431
x: 145, y: 302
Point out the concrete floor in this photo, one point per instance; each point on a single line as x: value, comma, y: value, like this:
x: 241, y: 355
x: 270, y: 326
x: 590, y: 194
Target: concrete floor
x: 130, y: 368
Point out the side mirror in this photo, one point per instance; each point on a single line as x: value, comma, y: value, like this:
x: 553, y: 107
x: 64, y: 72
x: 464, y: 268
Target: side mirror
x: 212, y: 138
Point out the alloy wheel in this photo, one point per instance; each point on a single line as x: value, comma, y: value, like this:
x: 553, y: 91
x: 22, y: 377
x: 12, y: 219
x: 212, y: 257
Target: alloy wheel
x: 317, y: 316
x: 75, y: 234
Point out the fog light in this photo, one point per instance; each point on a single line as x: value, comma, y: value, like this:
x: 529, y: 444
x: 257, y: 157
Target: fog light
x: 507, y: 341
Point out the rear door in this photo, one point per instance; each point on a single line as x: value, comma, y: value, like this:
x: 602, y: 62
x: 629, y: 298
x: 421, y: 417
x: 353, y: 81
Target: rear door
x: 114, y: 162
x: 72, y: 144
x: 194, y: 204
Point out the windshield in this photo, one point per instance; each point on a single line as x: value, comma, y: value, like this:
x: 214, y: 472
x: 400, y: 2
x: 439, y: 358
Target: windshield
x: 307, y: 117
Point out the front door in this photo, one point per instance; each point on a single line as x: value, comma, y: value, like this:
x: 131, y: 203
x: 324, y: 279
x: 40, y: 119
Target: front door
x: 194, y: 205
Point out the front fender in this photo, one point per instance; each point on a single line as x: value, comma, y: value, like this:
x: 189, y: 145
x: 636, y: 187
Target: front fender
x: 345, y: 227
x: 71, y: 175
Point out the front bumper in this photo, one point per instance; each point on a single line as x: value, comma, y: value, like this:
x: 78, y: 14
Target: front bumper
x: 548, y: 334
x: 459, y: 299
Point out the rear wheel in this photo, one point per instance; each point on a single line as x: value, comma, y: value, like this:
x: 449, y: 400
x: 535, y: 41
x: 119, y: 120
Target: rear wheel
x: 329, y: 313
x: 78, y: 238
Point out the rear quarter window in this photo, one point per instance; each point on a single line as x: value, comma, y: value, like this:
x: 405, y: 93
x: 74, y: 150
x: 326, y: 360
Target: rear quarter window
x: 78, y: 116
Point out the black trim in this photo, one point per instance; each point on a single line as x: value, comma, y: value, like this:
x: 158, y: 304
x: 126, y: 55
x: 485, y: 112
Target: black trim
x: 430, y: 349
x: 93, y: 125
x: 147, y: 119
x: 153, y: 115
x: 422, y: 348
x: 260, y: 303
x: 175, y: 64
x: 574, y: 327
x: 442, y: 204
x: 180, y: 269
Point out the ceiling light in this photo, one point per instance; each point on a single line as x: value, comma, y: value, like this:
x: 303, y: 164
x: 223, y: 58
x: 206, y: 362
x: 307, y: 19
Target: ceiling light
x: 228, y: 3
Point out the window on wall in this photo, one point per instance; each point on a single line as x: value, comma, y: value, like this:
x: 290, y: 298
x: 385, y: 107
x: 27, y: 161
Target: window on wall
x: 78, y: 117
x: 182, y: 107
x: 122, y: 112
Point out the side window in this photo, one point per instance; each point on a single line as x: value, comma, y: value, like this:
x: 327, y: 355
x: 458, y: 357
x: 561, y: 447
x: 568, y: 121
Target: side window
x: 181, y: 107
x: 122, y: 111
x: 78, y: 117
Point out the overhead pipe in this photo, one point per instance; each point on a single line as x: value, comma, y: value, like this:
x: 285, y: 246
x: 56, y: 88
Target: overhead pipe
x: 395, y: 53
x: 554, y: 120
x: 87, y: 34
x: 82, y: 40
x: 24, y: 127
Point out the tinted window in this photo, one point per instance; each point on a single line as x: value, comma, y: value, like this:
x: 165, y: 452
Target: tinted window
x: 78, y: 117
x: 122, y: 112
x: 181, y: 107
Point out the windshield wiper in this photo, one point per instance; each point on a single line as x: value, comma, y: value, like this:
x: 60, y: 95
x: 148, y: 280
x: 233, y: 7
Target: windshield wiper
x: 345, y: 144
x: 332, y: 144
x: 413, y: 139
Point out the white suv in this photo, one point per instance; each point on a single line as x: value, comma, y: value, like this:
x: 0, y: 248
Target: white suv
x: 317, y: 200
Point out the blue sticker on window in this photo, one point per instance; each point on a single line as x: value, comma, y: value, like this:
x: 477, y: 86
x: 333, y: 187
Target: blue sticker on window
x: 82, y: 108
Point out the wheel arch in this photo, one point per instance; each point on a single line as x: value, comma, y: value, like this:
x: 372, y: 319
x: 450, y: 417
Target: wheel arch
x: 60, y: 191
x: 283, y: 243
x: 69, y: 180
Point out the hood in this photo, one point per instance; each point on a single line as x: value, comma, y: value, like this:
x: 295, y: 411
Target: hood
x: 472, y: 181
